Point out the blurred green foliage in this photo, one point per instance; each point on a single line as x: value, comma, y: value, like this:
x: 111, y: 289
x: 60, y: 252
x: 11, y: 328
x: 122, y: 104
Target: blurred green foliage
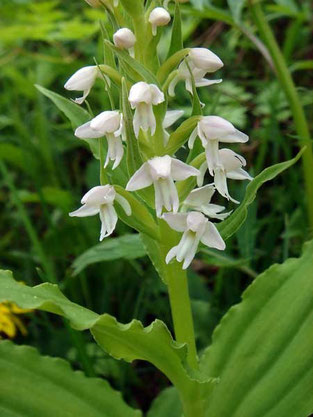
x: 45, y: 170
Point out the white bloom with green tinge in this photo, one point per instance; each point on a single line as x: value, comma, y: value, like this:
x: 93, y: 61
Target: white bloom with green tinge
x: 82, y: 80
x: 211, y: 130
x: 230, y: 166
x: 162, y: 171
x: 200, y: 61
x: 159, y: 17
x: 100, y: 200
x: 200, y: 200
x: 109, y: 124
x: 196, y: 228
x: 142, y: 97
x: 124, y: 38
x: 170, y: 118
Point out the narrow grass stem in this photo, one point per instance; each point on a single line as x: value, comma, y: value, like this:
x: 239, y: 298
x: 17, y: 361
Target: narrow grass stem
x: 287, y: 83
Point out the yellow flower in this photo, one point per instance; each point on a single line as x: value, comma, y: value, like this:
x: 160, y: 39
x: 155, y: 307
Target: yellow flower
x: 10, y: 323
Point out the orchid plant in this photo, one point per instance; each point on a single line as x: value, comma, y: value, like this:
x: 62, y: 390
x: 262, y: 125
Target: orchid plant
x: 160, y: 181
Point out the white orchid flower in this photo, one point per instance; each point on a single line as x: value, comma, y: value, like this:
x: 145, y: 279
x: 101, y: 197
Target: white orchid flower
x: 211, y: 130
x: 100, y: 200
x: 124, y: 38
x: 109, y: 124
x: 230, y: 166
x: 200, y: 200
x: 82, y: 80
x: 200, y: 61
x: 142, y: 97
x: 162, y: 171
x: 159, y: 17
x: 170, y: 118
x: 196, y: 228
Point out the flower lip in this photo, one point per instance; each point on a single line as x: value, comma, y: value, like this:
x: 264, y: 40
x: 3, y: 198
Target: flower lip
x: 205, y: 59
x: 124, y: 38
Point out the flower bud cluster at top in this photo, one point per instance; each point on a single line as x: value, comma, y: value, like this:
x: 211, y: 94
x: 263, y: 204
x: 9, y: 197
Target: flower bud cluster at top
x: 190, y: 215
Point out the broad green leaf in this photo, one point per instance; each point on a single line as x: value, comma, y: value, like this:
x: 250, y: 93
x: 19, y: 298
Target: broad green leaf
x: 32, y: 385
x: 127, y: 247
x: 236, y: 7
x: 176, y: 38
x: 130, y: 341
x: 229, y: 226
x: 166, y: 404
x: 77, y: 115
x: 262, y: 349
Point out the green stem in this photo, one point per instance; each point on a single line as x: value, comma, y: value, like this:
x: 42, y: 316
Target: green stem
x: 297, y: 110
x: 103, y: 174
x: 176, y: 279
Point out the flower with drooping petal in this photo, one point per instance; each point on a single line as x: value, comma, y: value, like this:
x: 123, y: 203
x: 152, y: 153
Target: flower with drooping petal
x: 230, y: 166
x: 142, y: 97
x: 159, y: 17
x: 82, y: 80
x: 211, y: 130
x: 162, y: 171
x: 196, y: 228
x: 170, y: 118
x: 200, y: 200
x: 200, y: 61
x: 100, y: 200
x: 109, y: 124
x: 124, y: 38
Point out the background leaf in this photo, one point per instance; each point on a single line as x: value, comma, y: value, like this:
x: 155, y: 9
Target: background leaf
x: 39, y: 386
x: 262, y: 349
x: 236, y: 7
x: 177, y: 38
x: 127, y: 246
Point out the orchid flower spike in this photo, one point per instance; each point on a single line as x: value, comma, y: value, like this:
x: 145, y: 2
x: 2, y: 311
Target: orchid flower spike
x: 196, y: 228
x: 159, y: 17
x: 211, y: 130
x: 170, y: 118
x: 200, y: 61
x: 124, y: 38
x: 142, y: 97
x: 162, y: 171
x: 230, y: 166
x: 200, y: 200
x: 109, y: 124
x: 82, y: 80
x: 100, y: 200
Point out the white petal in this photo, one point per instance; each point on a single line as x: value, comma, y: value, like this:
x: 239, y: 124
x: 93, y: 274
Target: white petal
x: 101, y: 194
x: 220, y: 182
x: 202, y: 171
x: 140, y: 179
x: 140, y: 93
x: 192, y: 138
x: 212, y: 238
x: 171, y: 117
x: 205, y: 59
x: 80, y: 100
x: 230, y: 160
x: 236, y: 136
x: 204, y: 82
x: 158, y: 199
x: 106, y: 122
x: 191, y: 254
x: 180, y: 171
x: 200, y: 196
x: 156, y: 94
x: 124, y: 204
x: 108, y: 219
x: 239, y: 174
x: 176, y: 221
x: 85, y: 211
x: 171, y: 254
x: 83, y: 79
x: 196, y: 221
x: 86, y: 132
x: 212, y: 155
x: 185, y: 245
x: 172, y: 85
x: 160, y: 167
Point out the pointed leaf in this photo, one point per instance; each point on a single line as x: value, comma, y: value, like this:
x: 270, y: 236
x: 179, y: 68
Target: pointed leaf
x: 127, y: 247
x: 177, y: 38
x: 32, y: 385
x: 178, y: 138
x: 229, y: 226
x: 262, y: 349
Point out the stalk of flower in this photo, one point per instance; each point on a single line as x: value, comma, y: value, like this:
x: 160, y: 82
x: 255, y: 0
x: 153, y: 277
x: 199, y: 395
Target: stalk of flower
x: 196, y: 228
x: 100, y: 200
x: 200, y: 200
x: 200, y: 62
x: 230, y: 166
x: 162, y: 172
x: 82, y: 80
x: 109, y: 124
x: 142, y: 98
x: 211, y: 130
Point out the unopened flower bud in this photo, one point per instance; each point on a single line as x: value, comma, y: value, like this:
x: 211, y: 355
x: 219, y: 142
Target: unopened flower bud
x: 159, y: 17
x: 205, y: 59
x: 124, y: 38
